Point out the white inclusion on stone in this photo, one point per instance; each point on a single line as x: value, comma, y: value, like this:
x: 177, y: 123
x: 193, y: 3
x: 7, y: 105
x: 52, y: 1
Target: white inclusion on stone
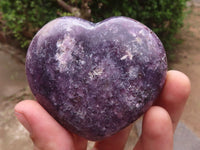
x: 133, y: 72
x: 96, y: 72
x: 163, y: 58
x: 123, y: 57
x: 63, y: 54
x: 80, y: 45
x: 82, y: 62
x: 139, y: 40
x: 146, y: 59
x: 81, y: 113
x: 28, y: 56
x: 129, y: 101
x: 128, y: 55
x: 68, y: 28
x: 31, y: 70
x: 142, y: 32
x: 137, y: 105
x: 132, y: 32
x: 59, y: 43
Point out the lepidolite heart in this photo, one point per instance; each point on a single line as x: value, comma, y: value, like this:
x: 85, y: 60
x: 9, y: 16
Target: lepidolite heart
x: 96, y: 79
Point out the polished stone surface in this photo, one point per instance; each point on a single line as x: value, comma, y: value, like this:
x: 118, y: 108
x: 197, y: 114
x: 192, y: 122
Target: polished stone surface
x: 96, y: 79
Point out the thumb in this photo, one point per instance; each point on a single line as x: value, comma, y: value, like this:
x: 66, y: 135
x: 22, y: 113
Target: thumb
x: 45, y: 132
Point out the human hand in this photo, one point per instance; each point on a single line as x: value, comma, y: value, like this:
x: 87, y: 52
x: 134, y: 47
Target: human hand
x: 159, y: 122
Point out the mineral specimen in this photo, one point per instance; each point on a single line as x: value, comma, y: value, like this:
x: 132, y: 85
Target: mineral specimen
x: 96, y: 79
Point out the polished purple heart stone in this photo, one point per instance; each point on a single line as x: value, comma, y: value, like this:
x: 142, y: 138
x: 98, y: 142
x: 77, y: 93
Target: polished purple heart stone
x: 96, y: 79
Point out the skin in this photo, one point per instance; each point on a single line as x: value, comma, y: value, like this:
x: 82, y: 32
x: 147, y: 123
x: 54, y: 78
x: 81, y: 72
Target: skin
x: 159, y: 122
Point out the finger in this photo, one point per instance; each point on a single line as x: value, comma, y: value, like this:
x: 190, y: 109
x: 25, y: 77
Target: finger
x: 115, y: 142
x: 45, y: 132
x: 174, y: 95
x: 157, y: 130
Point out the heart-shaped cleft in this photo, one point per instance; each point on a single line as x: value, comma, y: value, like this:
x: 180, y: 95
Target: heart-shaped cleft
x: 96, y: 79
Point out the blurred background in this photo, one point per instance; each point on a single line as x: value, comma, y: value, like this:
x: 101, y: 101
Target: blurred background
x: 176, y: 22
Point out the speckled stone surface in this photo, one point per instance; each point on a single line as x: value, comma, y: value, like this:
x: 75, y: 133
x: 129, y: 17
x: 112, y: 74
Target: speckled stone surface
x: 96, y: 79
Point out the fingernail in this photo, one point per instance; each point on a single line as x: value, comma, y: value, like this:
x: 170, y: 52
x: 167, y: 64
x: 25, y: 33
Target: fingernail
x: 23, y: 120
